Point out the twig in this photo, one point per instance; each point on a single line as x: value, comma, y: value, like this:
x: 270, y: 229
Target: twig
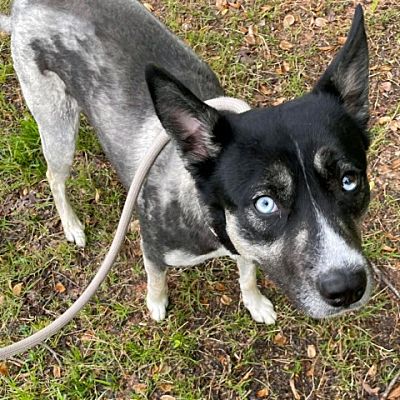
x: 382, y: 276
x: 54, y: 354
x: 390, y: 386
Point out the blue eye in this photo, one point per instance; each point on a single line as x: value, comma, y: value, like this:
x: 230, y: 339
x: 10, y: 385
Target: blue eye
x: 349, y: 182
x: 265, y: 205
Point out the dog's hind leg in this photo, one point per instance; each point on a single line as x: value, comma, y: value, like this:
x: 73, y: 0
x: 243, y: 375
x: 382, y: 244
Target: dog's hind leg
x: 157, y: 289
x: 57, y: 116
x: 261, y: 309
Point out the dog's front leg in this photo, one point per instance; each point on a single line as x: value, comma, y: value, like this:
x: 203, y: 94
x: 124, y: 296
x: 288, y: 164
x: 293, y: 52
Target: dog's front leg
x: 157, y: 289
x: 261, y: 309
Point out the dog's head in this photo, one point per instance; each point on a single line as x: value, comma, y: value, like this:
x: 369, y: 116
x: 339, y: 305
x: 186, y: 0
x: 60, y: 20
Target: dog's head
x: 286, y: 186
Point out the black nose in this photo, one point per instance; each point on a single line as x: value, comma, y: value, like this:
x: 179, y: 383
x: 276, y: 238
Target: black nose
x: 341, y: 288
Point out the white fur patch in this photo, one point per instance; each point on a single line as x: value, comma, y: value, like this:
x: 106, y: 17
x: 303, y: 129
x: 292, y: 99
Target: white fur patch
x: 179, y: 258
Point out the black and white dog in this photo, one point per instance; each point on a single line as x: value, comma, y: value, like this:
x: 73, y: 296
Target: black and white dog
x: 283, y: 188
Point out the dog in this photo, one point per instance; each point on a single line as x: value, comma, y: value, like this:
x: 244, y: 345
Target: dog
x: 281, y: 188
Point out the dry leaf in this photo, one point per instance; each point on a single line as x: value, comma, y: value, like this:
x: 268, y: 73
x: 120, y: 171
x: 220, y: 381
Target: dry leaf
x: 288, y: 21
x: 325, y: 48
x: 266, y: 8
x: 310, y: 372
x: 320, y: 22
x: 97, y: 196
x: 56, y: 371
x: 265, y: 90
x: 394, y: 125
x: 225, y: 11
x: 294, y: 390
x: 388, y: 249
x: 386, y: 86
x: 234, y: 5
x: 280, y: 339
x: 311, y: 351
x: 261, y: 394
x: 17, y: 289
x: 370, y: 390
x: 226, y: 300
x: 384, y: 120
x: 285, y: 45
x: 1, y: 299
x: 149, y: 7
x: 166, y: 387
x: 342, y: 39
x: 372, y: 371
x: 220, y: 287
x: 221, y: 4
x: 395, y: 165
x: 140, y: 388
x: 3, y: 369
x: 167, y: 397
x: 279, y: 101
x: 395, y: 393
x: 59, y: 287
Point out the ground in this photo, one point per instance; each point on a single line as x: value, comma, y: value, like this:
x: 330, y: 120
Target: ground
x: 208, y: 347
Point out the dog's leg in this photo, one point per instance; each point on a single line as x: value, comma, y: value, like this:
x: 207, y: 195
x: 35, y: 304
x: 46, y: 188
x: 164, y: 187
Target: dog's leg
x: 157, y: 289
x: 261, y: 309
x: 57, y: 116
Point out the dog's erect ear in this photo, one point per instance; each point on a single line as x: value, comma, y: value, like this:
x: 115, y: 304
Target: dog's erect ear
x: 185, y: 118
x: 347, y: 75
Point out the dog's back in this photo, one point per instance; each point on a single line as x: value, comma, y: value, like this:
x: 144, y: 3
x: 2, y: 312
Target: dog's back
x: 99, y: 51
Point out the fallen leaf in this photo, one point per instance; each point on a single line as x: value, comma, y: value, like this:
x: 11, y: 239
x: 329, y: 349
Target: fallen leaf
x: 288, y: 21
x: 17, y: 289
x: 220, y: 287
x: 395, y: 165
x: 278, y: 101
x: 386, y: 86
x: 372, y: 371
x: 221, y: 4
x: 165, y: 387
x: 395, y: 393
x: 371, y: 391
x: 280, y: 339
x: 325, y: 48
x: 285, y: 45
x: 140, y: 388
x: 56, y: 371
x: 59, y: 287
x: 167, y: 397
x: 234, y: 5
x: 342, y: 39
x: 149, y: 7
x: 3, y: 369
x: 384, y: 120
x: 311, y: 351
x: 261, y: 394
x: 388, y: 249
x: 226, y: 300
x: 294, y: 390
x: 97, y: 196
x: 1, y: 299
x: 310, y: 371
x: 320, y: 22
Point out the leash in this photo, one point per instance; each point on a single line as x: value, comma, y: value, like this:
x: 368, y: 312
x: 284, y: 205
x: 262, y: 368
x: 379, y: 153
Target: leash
x: 220, y: 103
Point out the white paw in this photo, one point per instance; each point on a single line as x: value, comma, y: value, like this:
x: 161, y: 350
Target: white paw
x: 157, y: 307
x: 74, y: 231
x: 261, y: 309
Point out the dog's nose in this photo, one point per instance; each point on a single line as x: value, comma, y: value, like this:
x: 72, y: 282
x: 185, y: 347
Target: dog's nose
x: 341, y: 288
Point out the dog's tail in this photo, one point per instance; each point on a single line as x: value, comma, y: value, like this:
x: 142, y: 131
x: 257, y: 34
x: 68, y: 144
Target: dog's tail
x: 5, y: 23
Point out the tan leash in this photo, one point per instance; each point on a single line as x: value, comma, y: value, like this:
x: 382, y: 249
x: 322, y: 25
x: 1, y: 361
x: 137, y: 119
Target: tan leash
x: 219, y: 103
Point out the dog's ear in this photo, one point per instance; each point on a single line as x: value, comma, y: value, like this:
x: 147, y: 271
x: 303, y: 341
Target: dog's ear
x: 347, y: 75
x: 188, y: 120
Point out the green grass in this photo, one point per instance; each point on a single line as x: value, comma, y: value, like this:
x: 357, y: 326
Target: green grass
x: 204, y: 349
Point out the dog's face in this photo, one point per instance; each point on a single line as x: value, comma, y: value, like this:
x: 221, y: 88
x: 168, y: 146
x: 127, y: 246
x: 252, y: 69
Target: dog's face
x: 286, y: 186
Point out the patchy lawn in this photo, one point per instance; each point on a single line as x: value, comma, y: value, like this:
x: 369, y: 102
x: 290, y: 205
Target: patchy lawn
x: 208, y: 347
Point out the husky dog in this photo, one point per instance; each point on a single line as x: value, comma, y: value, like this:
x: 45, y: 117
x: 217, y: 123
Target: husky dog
x: 282, y: 188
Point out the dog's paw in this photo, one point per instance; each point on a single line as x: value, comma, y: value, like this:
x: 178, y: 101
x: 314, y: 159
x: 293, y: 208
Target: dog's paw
x: 74, y: 232
x: 157, y: 307
x: 260, y: 308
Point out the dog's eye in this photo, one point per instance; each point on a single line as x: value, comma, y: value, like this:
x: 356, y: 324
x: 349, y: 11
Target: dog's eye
x: 265, y: 205
x: 349, y: 182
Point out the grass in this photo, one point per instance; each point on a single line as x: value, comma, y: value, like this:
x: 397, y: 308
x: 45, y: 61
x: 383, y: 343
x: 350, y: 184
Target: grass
x: 204, y: 349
